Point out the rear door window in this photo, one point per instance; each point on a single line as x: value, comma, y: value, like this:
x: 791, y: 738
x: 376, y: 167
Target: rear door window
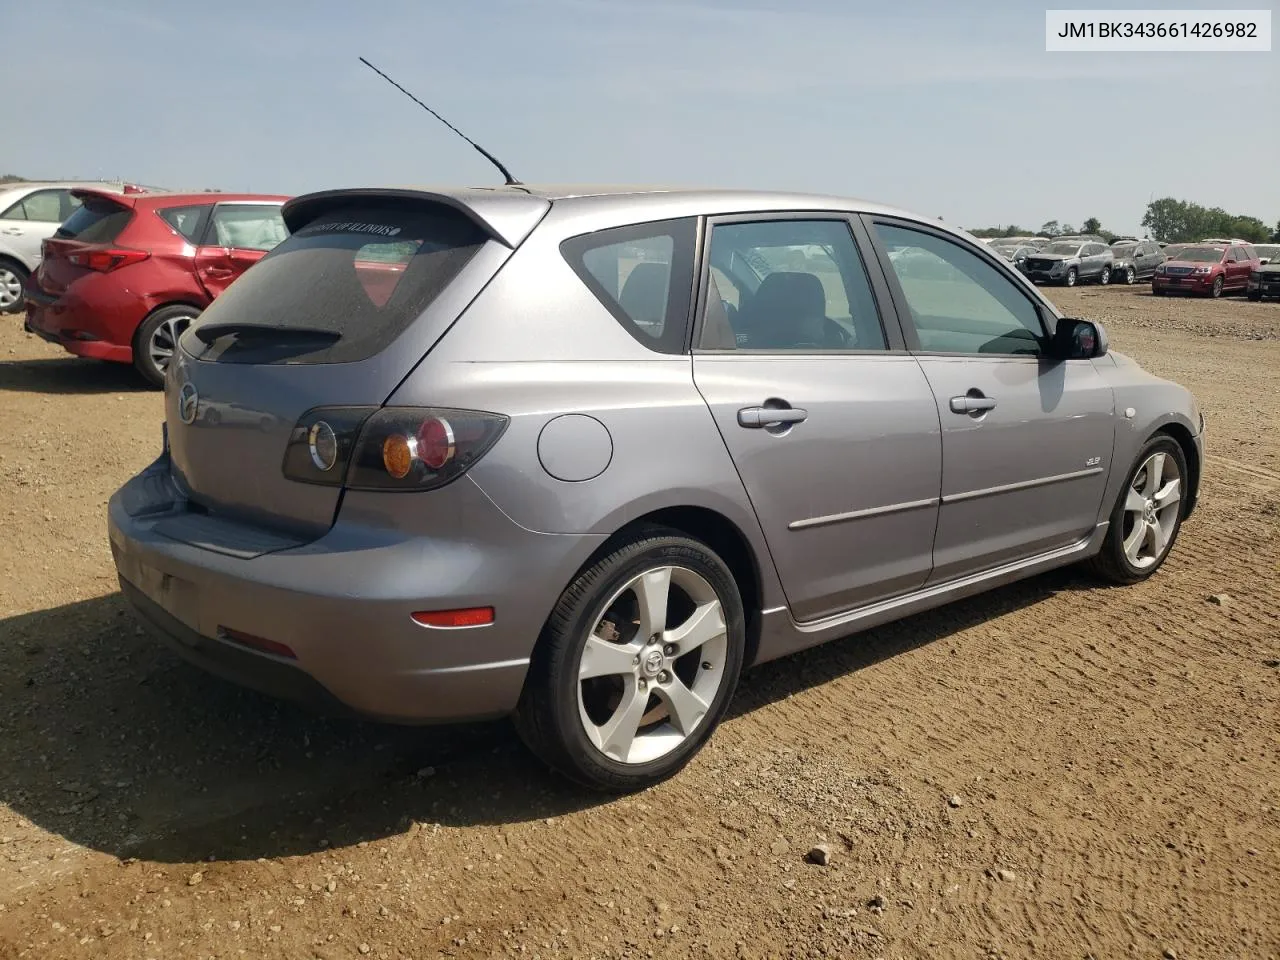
x: 347, y: 283
x: 244, y: 226
x: 643, y: 274
x: 98, y: 220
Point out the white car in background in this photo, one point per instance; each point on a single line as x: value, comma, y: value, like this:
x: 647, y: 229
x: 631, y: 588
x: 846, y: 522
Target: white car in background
x: 29, y: 213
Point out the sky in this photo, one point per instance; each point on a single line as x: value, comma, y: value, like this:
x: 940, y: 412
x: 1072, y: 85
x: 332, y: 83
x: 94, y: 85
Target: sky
x: 949, y: 109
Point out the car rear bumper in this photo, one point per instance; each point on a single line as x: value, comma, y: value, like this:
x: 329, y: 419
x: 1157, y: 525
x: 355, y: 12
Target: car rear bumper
x: 341, y: 604
x: 79, y: 328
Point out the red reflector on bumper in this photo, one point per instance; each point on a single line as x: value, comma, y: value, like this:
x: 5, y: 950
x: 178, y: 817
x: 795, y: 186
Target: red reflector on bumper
x: 470, y: 617
x: 261, y: 644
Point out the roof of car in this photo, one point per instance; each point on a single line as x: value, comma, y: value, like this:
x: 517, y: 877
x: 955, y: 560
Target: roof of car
x: 508, y: 211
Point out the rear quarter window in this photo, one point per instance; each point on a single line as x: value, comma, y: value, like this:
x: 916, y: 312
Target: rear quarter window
x: 364, y: 272
x: 643, y: 275
x: 98, y: 220
x: 188, y: 221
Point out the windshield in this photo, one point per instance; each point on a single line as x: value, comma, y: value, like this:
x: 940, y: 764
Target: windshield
x: 1124, y: 249
x: 1070, y: 249
x: 1200, y: 254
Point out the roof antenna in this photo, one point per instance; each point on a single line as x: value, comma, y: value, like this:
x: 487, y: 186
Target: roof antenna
x: 510, y: 180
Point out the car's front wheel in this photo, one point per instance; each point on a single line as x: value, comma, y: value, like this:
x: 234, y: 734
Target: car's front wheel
x: 1148, y: 514
x: 1072, y: 277
x: 1106, y: 276
x: 157, y: 339
x: 1216, y: 290
x: 13, y: 276
x: 637, y: 663
x: 1130, y: 276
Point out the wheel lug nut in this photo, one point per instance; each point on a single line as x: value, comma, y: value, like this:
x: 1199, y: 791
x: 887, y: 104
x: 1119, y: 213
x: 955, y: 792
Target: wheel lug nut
x: 644, y: 684
x: 669, y: 649
x: 706, y: 664
x: 664, y: 677
x: 656, y: 638
x: 636, y: 659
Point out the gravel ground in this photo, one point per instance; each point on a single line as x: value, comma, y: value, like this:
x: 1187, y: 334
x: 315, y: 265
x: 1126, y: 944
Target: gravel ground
x: 1053, y: 769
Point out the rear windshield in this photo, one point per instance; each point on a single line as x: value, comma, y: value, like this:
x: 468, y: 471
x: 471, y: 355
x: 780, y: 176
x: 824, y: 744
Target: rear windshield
x: 97, y: 221
x: 341, y: 288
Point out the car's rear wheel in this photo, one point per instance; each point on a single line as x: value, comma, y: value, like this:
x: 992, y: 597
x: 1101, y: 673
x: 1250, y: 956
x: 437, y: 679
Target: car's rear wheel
x: 1130, y: 276
x: 1147, y: 516
x: 157, y: 339
x: 1072, y: 276
x: 636, y: 665
x: 1216, y: 290
x: 13, y: 277
x: 1106, y: 276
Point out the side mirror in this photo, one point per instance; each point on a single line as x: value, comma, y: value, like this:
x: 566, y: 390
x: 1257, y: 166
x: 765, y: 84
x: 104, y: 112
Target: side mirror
x: 1075, y: 339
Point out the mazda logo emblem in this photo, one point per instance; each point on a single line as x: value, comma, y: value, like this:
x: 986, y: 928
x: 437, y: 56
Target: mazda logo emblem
x: 188, y: 403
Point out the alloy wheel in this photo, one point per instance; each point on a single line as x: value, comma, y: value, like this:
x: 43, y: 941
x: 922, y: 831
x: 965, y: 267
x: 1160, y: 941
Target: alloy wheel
x: 164, y: 340
x: 10, y: 289
x: 1106, y: 276
x: 652, y: 665
x: 1130, y: 276
x: 1151, y: 510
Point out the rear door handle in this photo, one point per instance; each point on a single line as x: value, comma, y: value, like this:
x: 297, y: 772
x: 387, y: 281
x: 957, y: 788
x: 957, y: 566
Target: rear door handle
x: 769, y: 416
x: 973, y: 402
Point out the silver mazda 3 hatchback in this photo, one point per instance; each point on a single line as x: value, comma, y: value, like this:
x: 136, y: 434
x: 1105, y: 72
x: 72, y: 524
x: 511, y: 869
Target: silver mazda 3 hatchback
x: 582, y: 455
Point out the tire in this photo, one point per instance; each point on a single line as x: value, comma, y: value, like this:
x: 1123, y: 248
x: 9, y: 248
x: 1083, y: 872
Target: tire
x: 156, y: 334
x: 1072, y: 277
x: 1216, y: 290
x: 1123, y: 560
x: 1105, y: 277
x: 13, y: 278
x: 1130, y: 276
x: 568, y: 722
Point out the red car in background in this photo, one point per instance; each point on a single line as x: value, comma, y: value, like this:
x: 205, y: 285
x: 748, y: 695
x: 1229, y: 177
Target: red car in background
x: 125, y: 274
x: 1211, y: 269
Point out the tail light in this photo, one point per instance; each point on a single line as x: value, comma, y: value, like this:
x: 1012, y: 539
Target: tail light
x: 106, y: 260
x: 389, y: 448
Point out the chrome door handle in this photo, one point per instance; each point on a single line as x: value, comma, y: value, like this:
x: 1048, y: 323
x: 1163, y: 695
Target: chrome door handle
x: 769, y: 416
x: 972, y: 404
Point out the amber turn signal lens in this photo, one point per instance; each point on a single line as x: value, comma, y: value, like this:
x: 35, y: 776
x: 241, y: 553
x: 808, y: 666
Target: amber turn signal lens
x: 397, y: 455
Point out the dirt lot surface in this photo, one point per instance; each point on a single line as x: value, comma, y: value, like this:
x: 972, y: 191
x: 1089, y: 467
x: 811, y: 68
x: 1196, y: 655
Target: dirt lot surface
x: 1054, y: 769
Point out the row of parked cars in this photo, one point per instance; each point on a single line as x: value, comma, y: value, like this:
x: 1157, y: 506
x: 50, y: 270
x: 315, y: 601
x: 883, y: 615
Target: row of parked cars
x: 116, y: 271
x: 1212, y: 267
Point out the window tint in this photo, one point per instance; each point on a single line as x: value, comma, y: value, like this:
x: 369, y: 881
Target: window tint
x: 188, y: 221
x: 1232, y: 255
x: 248, y: 226
x: 643, y: 274
x: 98, y: 220
x: 959, y: 303
x: 782, y: 285
x: 364, y: 272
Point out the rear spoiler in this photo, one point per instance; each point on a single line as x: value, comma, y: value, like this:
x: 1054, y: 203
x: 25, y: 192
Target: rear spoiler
x: 507, y: 216
x: 93, y: 193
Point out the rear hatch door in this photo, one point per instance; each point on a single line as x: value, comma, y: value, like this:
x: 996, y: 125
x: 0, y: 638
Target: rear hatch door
x: 336, y: 315
x: 93, y: 227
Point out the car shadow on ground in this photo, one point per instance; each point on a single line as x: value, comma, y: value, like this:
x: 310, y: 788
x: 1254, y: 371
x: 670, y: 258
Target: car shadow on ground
x: 70, y: 375
x: 110, y: 741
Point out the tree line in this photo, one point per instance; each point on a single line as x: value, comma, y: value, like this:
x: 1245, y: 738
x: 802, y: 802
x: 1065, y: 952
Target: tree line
x: 1167, y: 219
